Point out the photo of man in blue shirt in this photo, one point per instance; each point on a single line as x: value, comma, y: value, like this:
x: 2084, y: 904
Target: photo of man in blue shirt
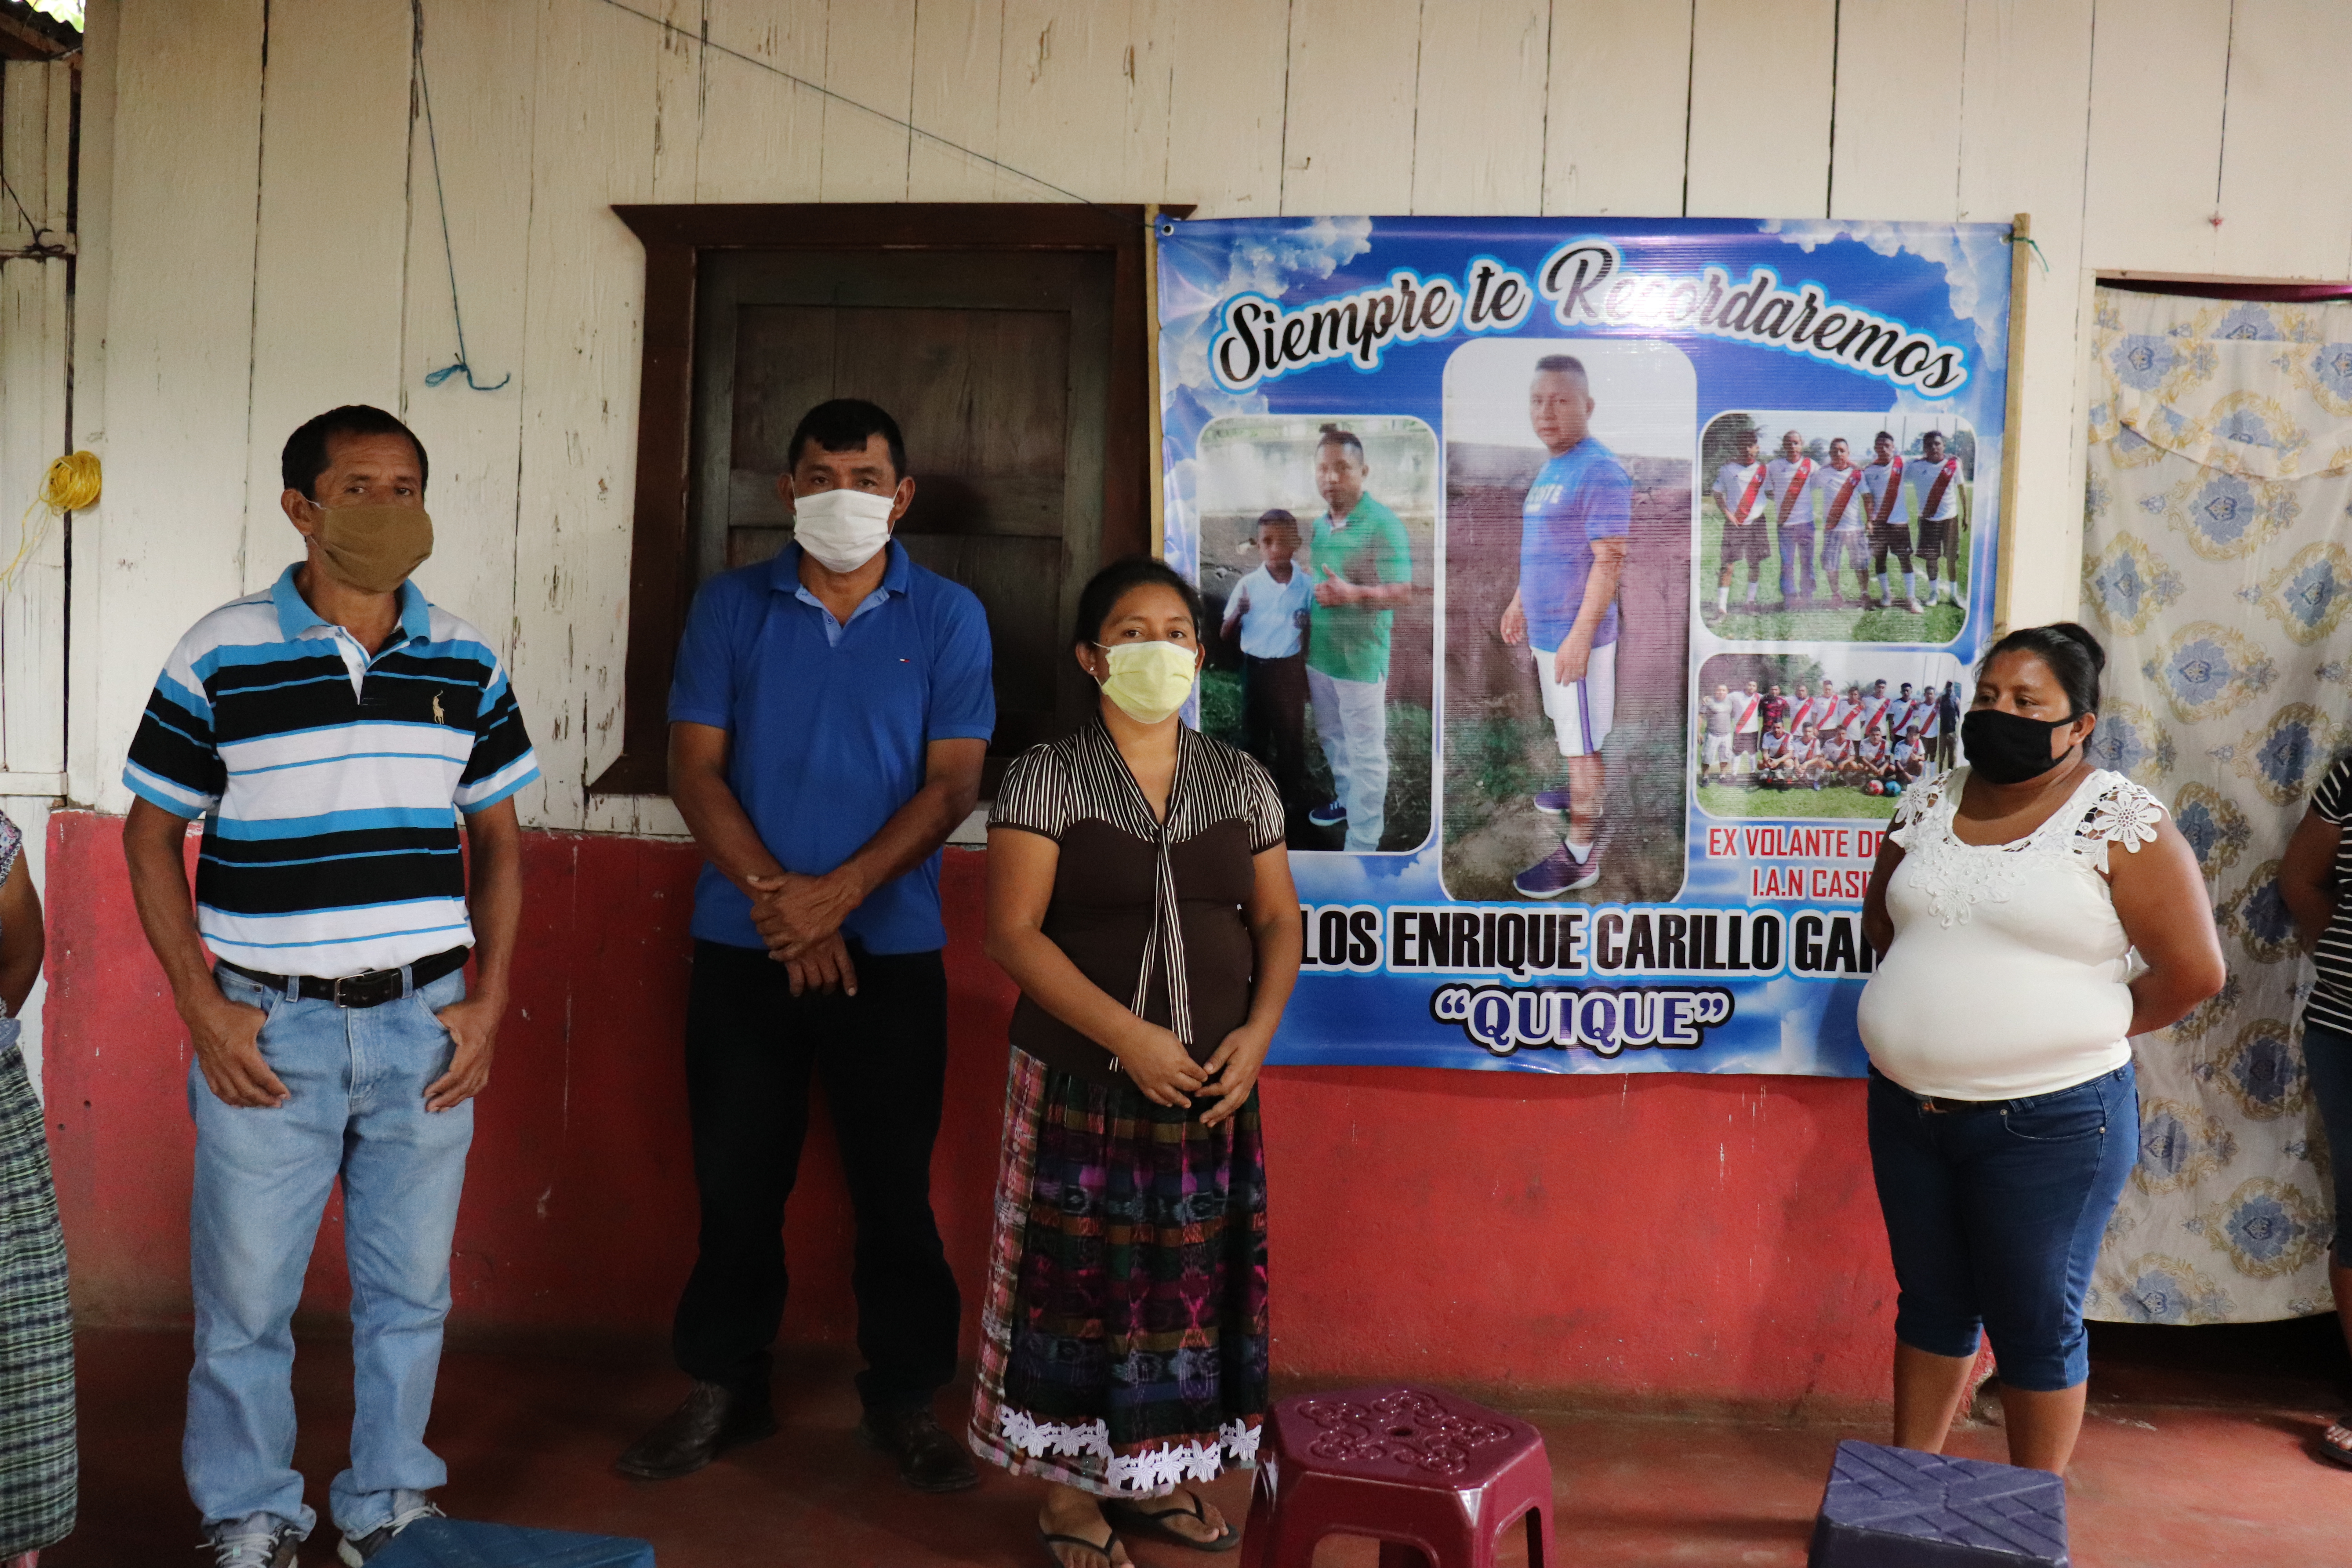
x: 1571, y: 555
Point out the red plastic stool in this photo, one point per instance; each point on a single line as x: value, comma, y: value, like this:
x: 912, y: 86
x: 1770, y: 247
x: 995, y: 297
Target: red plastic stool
x: 1434, y: 1478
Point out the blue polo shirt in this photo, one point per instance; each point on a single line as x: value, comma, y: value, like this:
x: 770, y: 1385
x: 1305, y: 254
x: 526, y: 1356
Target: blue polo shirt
x: 1581, y: 495
x: 827, y: 725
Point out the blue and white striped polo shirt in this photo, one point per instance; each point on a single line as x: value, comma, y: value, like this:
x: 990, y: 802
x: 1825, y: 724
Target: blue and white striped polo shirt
x: 330, y: 781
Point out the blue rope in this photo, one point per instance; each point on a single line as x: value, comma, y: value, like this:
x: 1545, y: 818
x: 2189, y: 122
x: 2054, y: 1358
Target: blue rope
x: 448, y: 251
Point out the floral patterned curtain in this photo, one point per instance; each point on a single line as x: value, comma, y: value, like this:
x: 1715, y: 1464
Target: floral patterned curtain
x: 2215, y: 568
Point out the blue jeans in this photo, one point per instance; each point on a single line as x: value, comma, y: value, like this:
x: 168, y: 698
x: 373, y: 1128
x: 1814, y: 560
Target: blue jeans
x: 1797, y: 561
x: 355, y: 1080
x: 2327, y: 1064
x: 1994, y: 1213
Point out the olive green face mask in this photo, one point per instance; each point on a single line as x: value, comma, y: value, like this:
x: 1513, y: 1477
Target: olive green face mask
x: 373, y: 548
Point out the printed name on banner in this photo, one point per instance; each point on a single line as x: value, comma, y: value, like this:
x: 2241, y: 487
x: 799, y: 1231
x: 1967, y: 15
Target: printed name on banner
x: 1602, y: 1020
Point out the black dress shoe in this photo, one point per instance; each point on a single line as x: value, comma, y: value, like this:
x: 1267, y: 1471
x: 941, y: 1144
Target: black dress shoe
x: 711, y: 1420
x: 929, y: 1459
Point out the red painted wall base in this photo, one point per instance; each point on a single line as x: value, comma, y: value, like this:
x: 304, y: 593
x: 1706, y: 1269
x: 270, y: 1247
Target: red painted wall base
x: 1664, y: 1239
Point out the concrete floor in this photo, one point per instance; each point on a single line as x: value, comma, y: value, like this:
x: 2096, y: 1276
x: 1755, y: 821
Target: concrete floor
x: 2197, y: 1456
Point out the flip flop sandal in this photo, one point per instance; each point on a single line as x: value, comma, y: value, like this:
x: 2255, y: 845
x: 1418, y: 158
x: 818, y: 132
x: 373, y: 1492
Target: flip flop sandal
x: 2335, y: 1453
x: 1145, y: 1521
x: 1108, y: 1544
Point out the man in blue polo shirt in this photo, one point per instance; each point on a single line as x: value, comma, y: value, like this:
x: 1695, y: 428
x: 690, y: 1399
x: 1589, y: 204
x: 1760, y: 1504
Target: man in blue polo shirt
x: 1571, y: 553
x: 828, y: 721
x: 329, y: 731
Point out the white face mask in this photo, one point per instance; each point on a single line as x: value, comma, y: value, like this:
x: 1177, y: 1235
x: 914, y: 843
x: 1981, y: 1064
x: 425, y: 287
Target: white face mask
x: 843, y: 529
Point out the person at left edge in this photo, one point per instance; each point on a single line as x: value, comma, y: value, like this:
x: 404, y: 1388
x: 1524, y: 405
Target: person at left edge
x: 329, y: 730
x: 828, y: 721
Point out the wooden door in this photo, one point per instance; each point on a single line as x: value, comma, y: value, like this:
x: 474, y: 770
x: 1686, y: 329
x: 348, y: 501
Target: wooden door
x: 995, y: 366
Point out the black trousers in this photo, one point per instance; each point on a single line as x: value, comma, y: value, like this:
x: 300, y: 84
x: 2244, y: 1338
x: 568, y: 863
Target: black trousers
x: 751, y: 1050
x: 1274, y: 720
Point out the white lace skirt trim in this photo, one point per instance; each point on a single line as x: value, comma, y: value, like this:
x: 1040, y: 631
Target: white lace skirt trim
x: 1149, y: 1473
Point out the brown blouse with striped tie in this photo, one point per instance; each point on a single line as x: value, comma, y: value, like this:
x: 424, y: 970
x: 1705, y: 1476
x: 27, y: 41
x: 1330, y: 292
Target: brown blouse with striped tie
x: 1149, y: 911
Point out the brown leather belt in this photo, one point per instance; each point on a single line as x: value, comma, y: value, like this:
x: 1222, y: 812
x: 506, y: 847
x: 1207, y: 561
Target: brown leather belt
x: 374, y: 989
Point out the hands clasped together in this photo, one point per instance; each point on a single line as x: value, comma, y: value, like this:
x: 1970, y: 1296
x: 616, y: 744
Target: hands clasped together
x: 1167, y: 1074
x: 799, y: 918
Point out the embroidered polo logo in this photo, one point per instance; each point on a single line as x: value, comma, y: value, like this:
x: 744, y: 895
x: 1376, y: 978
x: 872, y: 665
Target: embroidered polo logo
x: 437, y: 719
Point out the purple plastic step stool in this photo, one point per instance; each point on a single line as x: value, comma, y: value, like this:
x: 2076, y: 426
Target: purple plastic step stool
x: 1897, y: 1508
x: 462, y: 1544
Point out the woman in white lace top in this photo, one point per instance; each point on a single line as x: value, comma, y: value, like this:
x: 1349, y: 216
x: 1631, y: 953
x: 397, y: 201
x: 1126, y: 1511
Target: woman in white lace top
x: 2033, y: 913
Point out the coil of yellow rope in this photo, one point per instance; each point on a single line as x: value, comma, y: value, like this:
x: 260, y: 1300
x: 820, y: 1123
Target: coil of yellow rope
x: 73, y: 484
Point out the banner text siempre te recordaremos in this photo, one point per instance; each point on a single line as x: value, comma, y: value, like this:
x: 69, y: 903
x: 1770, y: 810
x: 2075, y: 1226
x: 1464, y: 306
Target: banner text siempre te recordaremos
x: 1587, y: 285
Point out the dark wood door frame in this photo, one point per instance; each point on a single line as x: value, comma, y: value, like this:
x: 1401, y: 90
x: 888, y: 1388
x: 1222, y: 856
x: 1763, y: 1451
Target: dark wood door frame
x: 661, y: 578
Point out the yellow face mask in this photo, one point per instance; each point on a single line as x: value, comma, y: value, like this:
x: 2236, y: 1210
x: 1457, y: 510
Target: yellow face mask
x: 1149, y: 680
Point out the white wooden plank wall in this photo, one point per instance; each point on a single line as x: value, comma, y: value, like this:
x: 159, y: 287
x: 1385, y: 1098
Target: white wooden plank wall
x: 2286, y: 184
x: 331, y: 248
x: 179, y: 350
x: 259, y: 249
x: 482, y: 112
x: 1762, y: 84
x: 1347, y: 137
x: 2154, y: 159
x: 1478, y: 140
x: 2024, y: 110
x: 86, y: 741
x: 1900, y: 69
x: 1617, y: 114
x: 1229, y: 76
x: 36, y: 131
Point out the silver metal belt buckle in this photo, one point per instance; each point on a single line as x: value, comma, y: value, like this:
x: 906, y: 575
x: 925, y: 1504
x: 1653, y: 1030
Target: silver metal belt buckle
x: 373, y: 977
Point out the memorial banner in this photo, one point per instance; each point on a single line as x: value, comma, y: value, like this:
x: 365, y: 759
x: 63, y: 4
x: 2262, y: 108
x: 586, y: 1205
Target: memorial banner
x: 1593, y: 589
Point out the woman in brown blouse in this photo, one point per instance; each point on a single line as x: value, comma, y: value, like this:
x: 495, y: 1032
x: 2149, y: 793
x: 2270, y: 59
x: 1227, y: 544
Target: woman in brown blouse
x: 1139, y: 895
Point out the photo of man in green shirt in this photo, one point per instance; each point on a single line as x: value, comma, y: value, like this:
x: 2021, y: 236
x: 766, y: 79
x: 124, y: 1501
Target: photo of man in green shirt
x: 1361, y: 567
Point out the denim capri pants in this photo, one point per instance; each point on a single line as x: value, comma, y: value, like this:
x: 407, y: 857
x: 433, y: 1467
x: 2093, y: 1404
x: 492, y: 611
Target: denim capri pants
x: 1994, y: 1212
x: 2327, y: 1064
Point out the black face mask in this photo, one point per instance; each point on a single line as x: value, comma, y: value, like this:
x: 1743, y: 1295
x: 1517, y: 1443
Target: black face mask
x: 2006, y: 748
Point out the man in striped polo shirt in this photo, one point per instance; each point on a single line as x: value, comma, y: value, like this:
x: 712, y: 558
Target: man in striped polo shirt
x: 329, y: 731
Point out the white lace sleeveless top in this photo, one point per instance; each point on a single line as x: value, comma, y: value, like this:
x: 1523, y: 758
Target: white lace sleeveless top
x: 2009, y: 972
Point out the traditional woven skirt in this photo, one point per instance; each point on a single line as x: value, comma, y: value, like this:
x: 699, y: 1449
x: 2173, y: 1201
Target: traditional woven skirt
x: 36, y: 1383
x: 1123, y: 1336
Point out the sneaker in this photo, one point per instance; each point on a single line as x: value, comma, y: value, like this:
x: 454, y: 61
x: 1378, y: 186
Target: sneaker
x: 1912, y: 605
x: 1554, y: 801
x: 1557, y: 873
x: 1330, y: 813
x: 355, y: 1552
x: 258, y: 1540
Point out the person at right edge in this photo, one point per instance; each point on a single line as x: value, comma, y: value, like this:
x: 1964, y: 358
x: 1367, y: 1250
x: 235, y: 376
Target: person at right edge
x: 2311, y: 877
x: 2001, y: 1132
x: 829, y: 718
